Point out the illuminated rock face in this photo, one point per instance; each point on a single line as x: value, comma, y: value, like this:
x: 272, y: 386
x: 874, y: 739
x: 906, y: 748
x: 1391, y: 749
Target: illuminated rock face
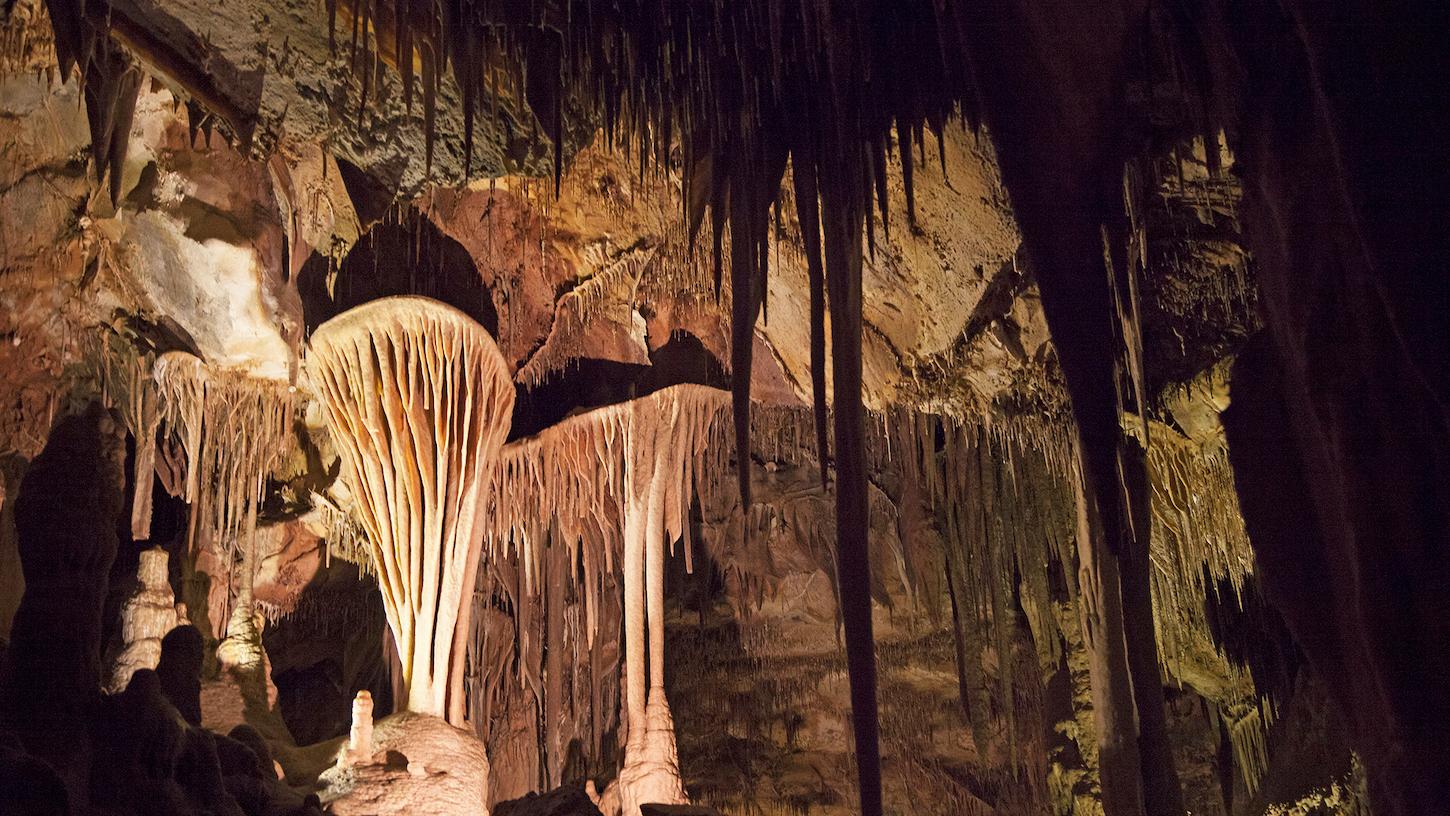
x: 1339, y: 405
x: 415, y: 764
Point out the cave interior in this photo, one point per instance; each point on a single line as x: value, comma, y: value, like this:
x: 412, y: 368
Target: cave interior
x: 725, y: 407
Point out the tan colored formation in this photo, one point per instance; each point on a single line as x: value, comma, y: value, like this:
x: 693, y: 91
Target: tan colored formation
x: 360, y: 736
x: 598, y: 318
x: 145, y: 619
x: 234, y: 430
x: 418, y: 400
x: 419, y: 765
x: 635, y: 467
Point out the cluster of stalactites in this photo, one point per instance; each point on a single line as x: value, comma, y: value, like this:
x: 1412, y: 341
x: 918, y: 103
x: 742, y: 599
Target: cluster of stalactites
x: 233, y: 429
x: 1000, y: 491
x: 611, y: 294
x: 723, y: 74
x: 573, y: 481
x: 1200, y: 547
x: 230, y: 430
x: 343, y: 531
x: 108, y: 74
x: 127, y: 387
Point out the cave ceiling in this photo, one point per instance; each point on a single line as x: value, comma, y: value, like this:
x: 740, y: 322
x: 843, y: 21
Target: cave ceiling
x: 217, y: 247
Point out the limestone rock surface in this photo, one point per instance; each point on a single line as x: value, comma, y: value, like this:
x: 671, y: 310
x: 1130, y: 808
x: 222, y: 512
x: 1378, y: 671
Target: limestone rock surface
x: 419, y: 764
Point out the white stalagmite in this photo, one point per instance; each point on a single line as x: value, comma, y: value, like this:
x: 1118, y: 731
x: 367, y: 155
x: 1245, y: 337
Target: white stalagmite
x: 418, y: 401
x: 633, y: 466
x: 360, y: 737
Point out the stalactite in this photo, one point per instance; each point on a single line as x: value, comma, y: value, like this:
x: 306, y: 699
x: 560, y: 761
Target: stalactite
x: 124, y: 374
x: 1000, y: 580
x: 344, y: 534
x: 964, y: 559
x: 554, y: 588
x: 610, y: 295
x: 806, y: 203
x: 1247, y: 735
x: 736, y: 80
x: 234, y: 429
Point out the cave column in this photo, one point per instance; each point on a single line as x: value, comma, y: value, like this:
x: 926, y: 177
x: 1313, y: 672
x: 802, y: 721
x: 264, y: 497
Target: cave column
x: 651, y: 767
x: 1112, y: 687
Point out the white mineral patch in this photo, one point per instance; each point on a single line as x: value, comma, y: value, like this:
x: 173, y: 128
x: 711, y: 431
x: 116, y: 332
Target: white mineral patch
x: 212, y: 288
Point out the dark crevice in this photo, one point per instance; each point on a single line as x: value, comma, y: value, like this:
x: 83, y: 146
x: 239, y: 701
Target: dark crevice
x: 583, y: 384
x: 588, y: 383
x: 404, y: 255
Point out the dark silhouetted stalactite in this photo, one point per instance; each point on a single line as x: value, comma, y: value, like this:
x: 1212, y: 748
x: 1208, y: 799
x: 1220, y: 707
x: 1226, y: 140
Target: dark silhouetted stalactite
x: 842, y: 223
x: 109, y: 76
x: 803, y: 174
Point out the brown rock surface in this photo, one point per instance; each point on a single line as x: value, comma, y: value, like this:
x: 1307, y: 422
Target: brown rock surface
x: 419, y: 764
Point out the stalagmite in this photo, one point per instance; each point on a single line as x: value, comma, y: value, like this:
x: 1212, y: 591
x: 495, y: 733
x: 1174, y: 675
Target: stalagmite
x: 418, y: 400
x: 241, y: 652
x: 637, y: 463
x: 145, y: 620
x: 360, y: 736
x: 651, y: 770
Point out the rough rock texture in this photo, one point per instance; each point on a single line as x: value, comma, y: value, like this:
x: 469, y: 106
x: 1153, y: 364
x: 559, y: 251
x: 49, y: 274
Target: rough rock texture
x: 80, y: 750
x: 418, y: 764
x: 65, y: 518
x: 223, y: 249
x: 178, y: 671
x: 951, y: 321
x: 12, y: 578
x: 325, y: 650
x: 43, y: 249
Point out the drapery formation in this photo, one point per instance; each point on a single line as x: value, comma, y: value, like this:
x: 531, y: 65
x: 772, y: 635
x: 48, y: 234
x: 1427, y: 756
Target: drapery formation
x: 233, y: 430
x: 748, y: 86
x: 418, y: 401
x: 1004, y: 499
x: 614, y: 486
x: 212, y: 434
